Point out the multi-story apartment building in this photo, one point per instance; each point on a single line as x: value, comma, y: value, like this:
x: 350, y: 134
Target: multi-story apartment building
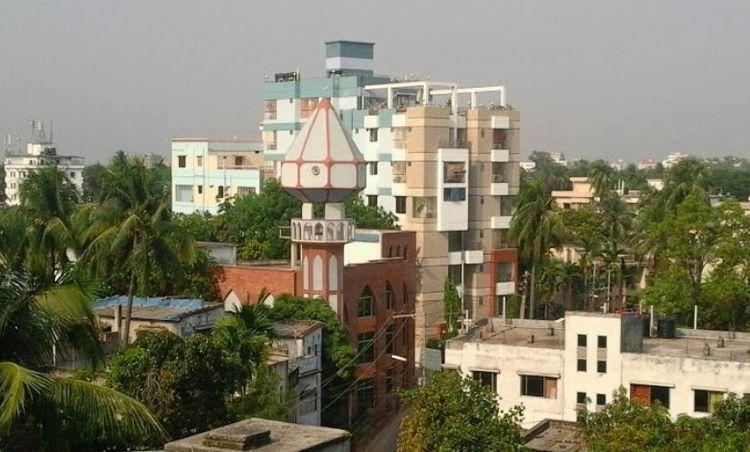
x: 556, y: 368
x: 444, y: 163
x: 206, y: 172
x: 40, y: 152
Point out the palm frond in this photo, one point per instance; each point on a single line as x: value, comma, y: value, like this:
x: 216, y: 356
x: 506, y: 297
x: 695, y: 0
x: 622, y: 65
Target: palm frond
x: 18, y: 386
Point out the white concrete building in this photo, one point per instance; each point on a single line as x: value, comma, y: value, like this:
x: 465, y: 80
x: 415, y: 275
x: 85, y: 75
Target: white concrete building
x: 555, y: 368
x: 302, y: 342
x: 40, y: 153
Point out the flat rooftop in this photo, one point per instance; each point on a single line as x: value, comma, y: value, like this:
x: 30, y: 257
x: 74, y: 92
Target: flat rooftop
x: 693, y: 347
x: 280, y: 436
x: 163, y: 309
x: 519, y: 335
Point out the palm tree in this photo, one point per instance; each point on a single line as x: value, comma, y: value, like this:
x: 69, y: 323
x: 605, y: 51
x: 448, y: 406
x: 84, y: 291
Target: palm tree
x: 131, y: 233
x: 35, y: 407
x: 617, y: 220
x: 602, y: 177
x: 536, y: 227
x: 48, y: 200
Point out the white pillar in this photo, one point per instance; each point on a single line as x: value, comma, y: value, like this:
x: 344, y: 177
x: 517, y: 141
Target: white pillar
x: 307, y: 211
x: 390, y: 97
x: 473, y: 100
x: 695, y: 317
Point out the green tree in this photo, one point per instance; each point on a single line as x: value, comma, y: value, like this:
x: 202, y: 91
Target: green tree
x: 369, y: 217
x: 338, y: 355
x: 602, y: 177
x: 131, y: 233
x: 45, y: 412
x: 199, y: 225
x: 93, y: 179
x: 451, y: 306
x: 453, y: 413
x: 536, y: 227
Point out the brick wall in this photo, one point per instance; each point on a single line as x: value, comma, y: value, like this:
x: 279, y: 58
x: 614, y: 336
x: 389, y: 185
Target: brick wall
x: 248, y: 281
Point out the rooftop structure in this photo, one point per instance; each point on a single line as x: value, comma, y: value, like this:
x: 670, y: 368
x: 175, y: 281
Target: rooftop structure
x: 556, y: 368
x: 182, y: 316
x: 264, y: 435
x: 208, y: 171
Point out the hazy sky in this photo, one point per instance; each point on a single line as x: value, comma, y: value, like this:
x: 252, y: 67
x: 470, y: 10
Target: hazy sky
x: 624, y: 79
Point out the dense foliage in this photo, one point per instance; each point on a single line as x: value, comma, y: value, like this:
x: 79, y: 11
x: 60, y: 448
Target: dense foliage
x: 454, y: 413
x: 624, y: 425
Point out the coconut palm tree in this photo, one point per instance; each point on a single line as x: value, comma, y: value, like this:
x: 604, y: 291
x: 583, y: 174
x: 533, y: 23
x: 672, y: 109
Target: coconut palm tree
x: 35, y: 406
x: 602, y: 177
x: 130, y: 233
x: 536, y: 227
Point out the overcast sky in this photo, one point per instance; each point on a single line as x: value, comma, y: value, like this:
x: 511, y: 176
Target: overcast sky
x: 626, y: 79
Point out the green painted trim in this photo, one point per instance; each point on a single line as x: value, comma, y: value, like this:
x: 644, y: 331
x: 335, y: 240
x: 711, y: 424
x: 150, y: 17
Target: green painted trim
x: 384, y: 191
x: 358, y: 119
x: 384, y: 157
x: 385, y: 117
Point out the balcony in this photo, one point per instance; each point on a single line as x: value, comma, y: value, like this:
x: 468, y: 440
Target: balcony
x: 322, y: 230
x: 500, y: 154
x: 499, y: 188
x: 505, y: 288
x: 502, y: 222
x: 500, y: 122
x: 474, y: 256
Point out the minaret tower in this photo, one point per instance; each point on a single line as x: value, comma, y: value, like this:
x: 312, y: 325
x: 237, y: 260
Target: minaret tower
x: 324, y: 166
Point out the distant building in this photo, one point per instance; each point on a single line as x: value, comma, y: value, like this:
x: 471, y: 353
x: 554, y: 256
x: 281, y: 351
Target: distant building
x: 555, y: 368
x: 40, y: 153
x: 673, y: 159
x: 302, y: 342
x: 559, y: 158
x: 618, y: 165
x: 581, y: 193
x: 265, y: 436
x: 181, y: 316
x: 647, y: 164
x: 527, y: 166
x: 206, y: 172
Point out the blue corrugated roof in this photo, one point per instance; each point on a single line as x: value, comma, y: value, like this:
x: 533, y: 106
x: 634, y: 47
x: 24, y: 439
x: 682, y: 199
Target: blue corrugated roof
x: 157, y: 308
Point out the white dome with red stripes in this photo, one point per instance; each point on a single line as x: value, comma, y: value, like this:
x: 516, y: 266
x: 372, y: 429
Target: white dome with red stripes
x: 323, y: 164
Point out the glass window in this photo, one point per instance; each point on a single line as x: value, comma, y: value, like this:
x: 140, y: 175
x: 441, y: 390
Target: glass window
x: 581, y: 365
x: 220, y: 193
x: 537, y: 386
x: 660, y: 394
x: 454, y: 173
x: 199, y: 161
x: 705, y: 401
x: 488, y: 379
x: 373, y: 135
x: 389, y: 296
x: 373, y: 168
x: 239, y: 160
x: 269, y: 109
x: 269, y: 138
x: 455, y: 241
x: 581, y: 397
x: 365, y: 348
x: 389, y: 337
x: 601, y: 366
x: 400, y: 204
x: 454, y: 273
x: 372, y: 200
x: 184, y: 193
x: 389, y: 381
x: 307, y: 106
x: 454, y: 194
x: 200, y: 189
x: 601, y: 341
x: 365, y: 395
x: 365, y: 304
x: 244, y: 191
x: 581, y: 340
x: 181, y: 161
x: 601, y: 399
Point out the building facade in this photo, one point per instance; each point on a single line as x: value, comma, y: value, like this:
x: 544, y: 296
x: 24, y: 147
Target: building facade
x: 556, y: 368
x: 444, y: 163
x: 207, y: 172
x: 41, y: 152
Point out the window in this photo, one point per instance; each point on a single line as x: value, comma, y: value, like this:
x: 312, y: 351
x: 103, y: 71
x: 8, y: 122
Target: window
x: 537, y: 386
x: 454, y: 194
x: 199, y: 161
x: 373, y: 135
x: 308, y: 402
x: 269, y: 109
x: 601, y: 341
x: 373, y: 166
x: 488, y: 379
x: 184, y: 193
x: 181, y: 161
x: 389, y: 336
x: 581, y: 365
x: 454, y: 172
x: 365, y: 348
x: 581, y: 340
x: 601, y: 366
x: 72, y: 175
x: 389, y: 381
x: 601, y: 400
x: 239, y: 160
x: 365, y: 304
x: 455, y: 241
x: 647, y: 395
x: 244, y: 191
x: 372, y: 200
x: 454, y: 273
x: 269, y: 138
x: 200, y: 189
x: 705, y: 401
x: 307, y: 106
x: 581, y: 398
x: 400, y: 204
x: 406, y: 295
x: 220, y: 192
x: 389, y: 296
x: 365, y: 395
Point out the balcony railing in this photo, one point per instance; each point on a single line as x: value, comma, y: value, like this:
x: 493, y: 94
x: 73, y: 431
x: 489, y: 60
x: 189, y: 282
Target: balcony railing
x: 399, y: 178
x: 498, y: 178
x: 452, y: 143
x: 322, y: 230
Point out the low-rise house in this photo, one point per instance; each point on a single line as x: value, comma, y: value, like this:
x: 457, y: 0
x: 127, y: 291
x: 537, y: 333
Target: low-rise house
x: 302, y: 342
x: 556, y: 368
x: 181, y: 316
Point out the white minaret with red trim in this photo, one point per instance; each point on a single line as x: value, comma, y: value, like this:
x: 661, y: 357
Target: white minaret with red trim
x: 323, y: 165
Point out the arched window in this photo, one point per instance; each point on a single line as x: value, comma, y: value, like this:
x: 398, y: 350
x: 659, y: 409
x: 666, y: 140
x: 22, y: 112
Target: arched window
x: 405, y: 255
x: 318, y: 229
x: 389, y: 296
x: 333, y: 273
x: 305, y: 273
x: 390, y: 251
x: 317, y: 273
x: 398, y: 251
x: 366, y: 304
x: 406, y: 295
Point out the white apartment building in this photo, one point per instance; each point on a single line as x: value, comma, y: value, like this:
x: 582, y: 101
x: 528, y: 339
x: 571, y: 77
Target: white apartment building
x: 208, y: 171
x: 40, y: 152
x: 302, y: 342
x: 555, y: 368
